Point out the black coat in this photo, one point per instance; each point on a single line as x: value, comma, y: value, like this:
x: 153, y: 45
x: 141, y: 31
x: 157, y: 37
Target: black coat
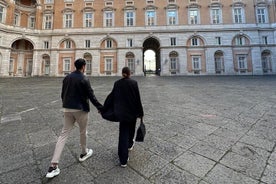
x: 76, y: 92
x: 124, y: 101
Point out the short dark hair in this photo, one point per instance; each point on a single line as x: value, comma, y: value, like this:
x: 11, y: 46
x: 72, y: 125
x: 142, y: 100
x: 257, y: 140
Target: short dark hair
x: 79, y: 63
x: 126, y: 72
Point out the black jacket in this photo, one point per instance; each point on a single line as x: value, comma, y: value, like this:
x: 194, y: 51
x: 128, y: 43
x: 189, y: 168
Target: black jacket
x: 76, y: 92
x: 126, y: 100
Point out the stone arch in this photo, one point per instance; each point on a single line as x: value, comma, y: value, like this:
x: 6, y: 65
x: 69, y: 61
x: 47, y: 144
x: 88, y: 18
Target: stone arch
x: 21, y: 59
x: 152, y: 43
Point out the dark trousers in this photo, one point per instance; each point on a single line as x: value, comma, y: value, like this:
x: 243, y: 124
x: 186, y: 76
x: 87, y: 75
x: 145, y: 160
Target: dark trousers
x: 126, y: 136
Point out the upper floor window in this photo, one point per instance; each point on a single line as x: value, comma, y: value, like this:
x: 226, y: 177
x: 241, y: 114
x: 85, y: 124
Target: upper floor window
x: 150, y: 17
x: 108, y: 43
x: 171, y: 17
x: 88, y: 19
x: 48, y: 19
x: 218, y: 40
x: 129, y: 18
x: 32, y: 22
x: 195, y: 41
x: 173, y: 41
x: 264, y: 40
x: 216, y: 15
x: 2, y: 14
x: 240, y: 40
x: 46, y: 45
x: 238, y: 15
x: 16, y: 19
x: 87, y: 43
x: 193, y: 16
x: 48, y: 1
x: 68, y: 44
x: 261, y: 15
x: 108, y: 18
x: 129, y: 42
x: 68, y: 20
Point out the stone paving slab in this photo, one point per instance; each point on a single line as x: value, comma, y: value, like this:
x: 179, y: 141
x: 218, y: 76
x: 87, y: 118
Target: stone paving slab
x: 200, y: 130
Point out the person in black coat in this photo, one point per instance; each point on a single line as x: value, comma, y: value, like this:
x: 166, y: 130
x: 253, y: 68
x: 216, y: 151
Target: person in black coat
x: 127, y: 108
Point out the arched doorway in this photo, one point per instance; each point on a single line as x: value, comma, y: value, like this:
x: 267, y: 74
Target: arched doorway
x: 21, y: 60
x: 151, y: 59
x: 46, y: 64
x: 266, y: 62
x: 88, y: 58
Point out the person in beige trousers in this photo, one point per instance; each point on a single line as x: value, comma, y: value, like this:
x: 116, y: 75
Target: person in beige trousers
x: 76, y: 93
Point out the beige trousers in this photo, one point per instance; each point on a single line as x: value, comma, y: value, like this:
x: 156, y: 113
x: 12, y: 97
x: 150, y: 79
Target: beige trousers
x: 81, y: 117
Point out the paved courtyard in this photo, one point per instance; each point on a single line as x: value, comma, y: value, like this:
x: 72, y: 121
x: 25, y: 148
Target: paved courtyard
x: 200, y: 130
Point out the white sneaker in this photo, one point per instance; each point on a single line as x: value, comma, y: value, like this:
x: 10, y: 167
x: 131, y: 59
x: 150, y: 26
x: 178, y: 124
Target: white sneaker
x: 131, y: 148
x: 52, y: 172
x: 86, y: 156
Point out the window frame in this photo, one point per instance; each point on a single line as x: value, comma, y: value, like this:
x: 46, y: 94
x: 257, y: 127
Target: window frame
x: 197, y: 19
x: 67, y: 65
x: 88, y: 22
x: 130, y: 21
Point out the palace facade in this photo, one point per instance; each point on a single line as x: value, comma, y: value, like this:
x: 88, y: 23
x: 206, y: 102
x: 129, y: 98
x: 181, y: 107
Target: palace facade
x: 188, y: 37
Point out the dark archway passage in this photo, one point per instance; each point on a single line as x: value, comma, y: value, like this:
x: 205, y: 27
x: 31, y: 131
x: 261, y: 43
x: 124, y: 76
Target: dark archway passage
x: 154, y: 45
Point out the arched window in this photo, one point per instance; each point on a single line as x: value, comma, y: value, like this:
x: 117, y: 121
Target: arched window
x: 173, y: 61
x: 130, y: 61
x: 88, y: 58
x: 266, y: 61
x: 219, y: 62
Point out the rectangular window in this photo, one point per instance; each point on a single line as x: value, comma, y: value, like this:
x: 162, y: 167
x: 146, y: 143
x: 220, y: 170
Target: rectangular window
x: 16, y: 19
x: 108, y: 44
x: 240, y: 41
x: 46, y: 45
x: 238, y: 17
x: 261, y: 15
x: 219, y: 66
x: 216, y: 16
x: 195, y: 42
x: 196, y: 62
x: 129, y: 42
x: 88, y: 19
x: 68, y: 44
x: 193, y: 17
x: 173, y: 65
x: 242, y: 62
x: 264, y: 38
x: 150, y: 21
x: 11, y: 67
x: 87, y: 43
x: 68, y: 20
x: 48, y: 21
x: 173, y: 41
x: 1, y: 14
x: 172, y: 17
x: 88, y: 66
x: 108, y: 64
x: 129, y: 18
x: 32, y: 22
x: 66, y: 65
x: 218, y: 40
x: 48, y: 1
x: 130, y: 64
x: 108, y: 19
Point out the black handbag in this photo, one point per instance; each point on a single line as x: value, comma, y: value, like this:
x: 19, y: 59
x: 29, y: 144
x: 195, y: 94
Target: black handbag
x: 141, y: 132
x: 108, y: 111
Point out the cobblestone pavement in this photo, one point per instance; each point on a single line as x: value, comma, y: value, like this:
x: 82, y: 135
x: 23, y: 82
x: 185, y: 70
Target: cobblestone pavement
x: 200, y: 130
